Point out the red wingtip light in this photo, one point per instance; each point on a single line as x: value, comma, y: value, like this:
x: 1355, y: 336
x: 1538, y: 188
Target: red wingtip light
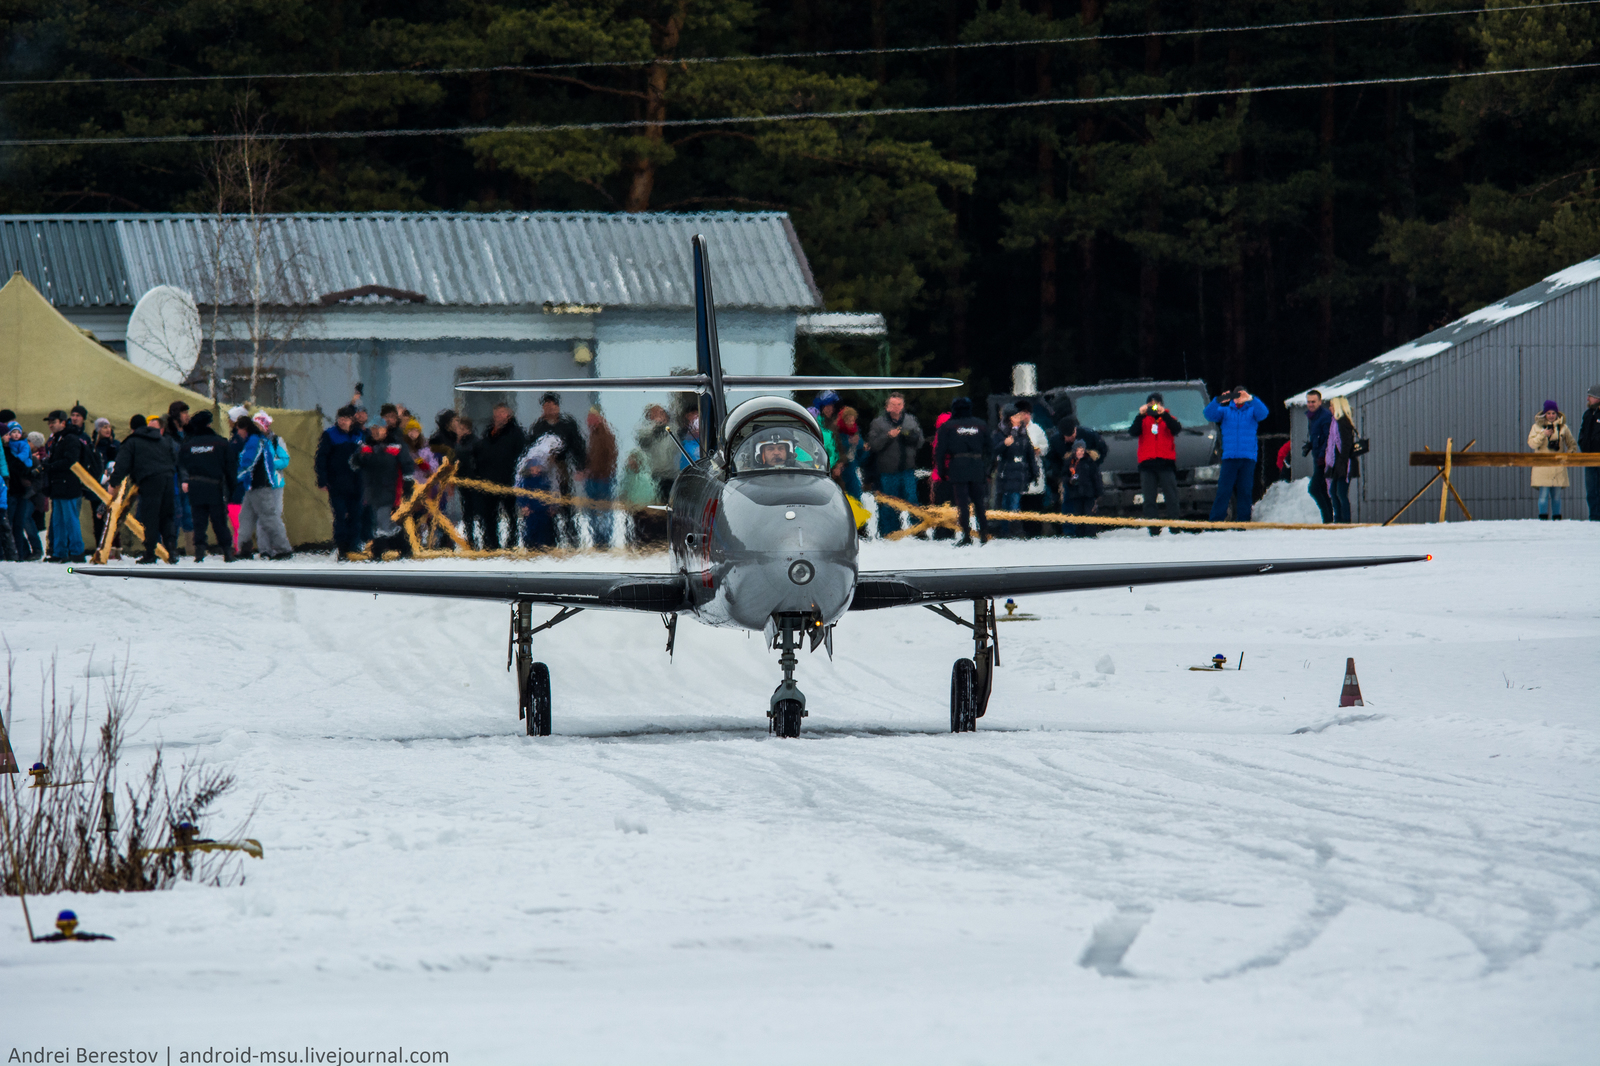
x: 1427, y: 558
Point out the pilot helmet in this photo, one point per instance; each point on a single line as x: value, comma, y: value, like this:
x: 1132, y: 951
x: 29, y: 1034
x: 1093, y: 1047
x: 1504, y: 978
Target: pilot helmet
x: 775, y: 438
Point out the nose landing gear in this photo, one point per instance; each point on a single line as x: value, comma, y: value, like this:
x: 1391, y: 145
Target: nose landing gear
x: 788, y: 702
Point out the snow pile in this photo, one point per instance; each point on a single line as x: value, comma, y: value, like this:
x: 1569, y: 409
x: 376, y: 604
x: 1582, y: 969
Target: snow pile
x: 1149, y: 865
x: 1288, y: 502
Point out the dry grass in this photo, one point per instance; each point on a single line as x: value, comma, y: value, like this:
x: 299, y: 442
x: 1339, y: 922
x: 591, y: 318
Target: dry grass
x: 93, y: 830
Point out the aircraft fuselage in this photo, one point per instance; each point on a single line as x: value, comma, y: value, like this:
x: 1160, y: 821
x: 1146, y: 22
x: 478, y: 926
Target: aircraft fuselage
x: 755, y: 545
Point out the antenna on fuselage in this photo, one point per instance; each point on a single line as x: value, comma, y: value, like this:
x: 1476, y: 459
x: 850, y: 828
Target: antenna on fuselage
x: 708, y: 357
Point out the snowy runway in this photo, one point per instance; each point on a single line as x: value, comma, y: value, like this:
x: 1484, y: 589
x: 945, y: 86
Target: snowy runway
x: 1140, y: 865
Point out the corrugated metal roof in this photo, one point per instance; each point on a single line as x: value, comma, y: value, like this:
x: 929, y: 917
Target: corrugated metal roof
x: 1461, y: 330
x: 610, y: 260
x: 73, y: 261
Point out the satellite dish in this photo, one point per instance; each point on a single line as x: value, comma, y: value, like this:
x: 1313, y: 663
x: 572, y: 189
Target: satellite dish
x: 164, y: 333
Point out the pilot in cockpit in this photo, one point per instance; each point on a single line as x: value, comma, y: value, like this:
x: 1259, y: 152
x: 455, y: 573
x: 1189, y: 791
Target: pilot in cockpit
x: 772, y: 448
x: 776, y: 453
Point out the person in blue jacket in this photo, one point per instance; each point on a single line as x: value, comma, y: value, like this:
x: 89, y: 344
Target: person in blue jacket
x: 1239, y: 414
x: 262, y: 458
x: 19, y: 507
x: 8, y: 544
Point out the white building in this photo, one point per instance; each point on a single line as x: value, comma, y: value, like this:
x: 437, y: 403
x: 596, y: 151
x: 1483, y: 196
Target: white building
x: 410, y: 304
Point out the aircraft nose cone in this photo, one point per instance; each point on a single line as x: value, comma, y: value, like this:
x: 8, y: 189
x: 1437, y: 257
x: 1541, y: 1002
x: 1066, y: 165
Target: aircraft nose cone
x: 791, y: 547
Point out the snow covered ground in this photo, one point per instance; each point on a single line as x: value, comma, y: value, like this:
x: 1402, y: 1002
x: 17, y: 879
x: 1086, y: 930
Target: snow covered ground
x: 1135, y: 865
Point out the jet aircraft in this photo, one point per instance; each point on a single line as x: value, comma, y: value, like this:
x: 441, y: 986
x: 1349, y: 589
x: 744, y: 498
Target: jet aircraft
x: 761, y: 538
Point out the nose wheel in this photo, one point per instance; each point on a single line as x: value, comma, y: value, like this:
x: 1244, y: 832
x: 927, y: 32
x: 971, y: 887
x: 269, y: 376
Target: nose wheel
x: 788, y: 702
x: 786, y: 715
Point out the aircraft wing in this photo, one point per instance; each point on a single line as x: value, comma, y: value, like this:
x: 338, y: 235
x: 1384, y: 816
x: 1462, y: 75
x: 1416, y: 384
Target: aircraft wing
x: 659, y: 593
x: 903, y: 588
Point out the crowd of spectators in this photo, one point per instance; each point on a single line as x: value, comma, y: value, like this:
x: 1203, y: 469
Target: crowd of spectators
x: 1022, y: 465
x: 188, y: 478
x: 205, y: 489
x: 368, y: 469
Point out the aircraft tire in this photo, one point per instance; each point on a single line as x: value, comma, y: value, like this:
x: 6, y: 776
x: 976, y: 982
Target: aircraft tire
x: 963, y: 697
x: 787, y: 717
x: 536, y: 704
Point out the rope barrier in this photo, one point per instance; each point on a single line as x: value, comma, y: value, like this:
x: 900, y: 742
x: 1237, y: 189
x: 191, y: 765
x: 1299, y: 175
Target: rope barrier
x: 422, y: 506
x: 944, y: 515
x: 587, y: 503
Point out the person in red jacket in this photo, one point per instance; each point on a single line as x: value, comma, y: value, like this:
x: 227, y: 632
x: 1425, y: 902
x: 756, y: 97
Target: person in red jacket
x: 1157, y: 433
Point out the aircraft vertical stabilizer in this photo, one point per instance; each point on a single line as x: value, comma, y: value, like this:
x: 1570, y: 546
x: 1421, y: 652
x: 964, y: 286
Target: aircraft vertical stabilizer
x: 708, y: 358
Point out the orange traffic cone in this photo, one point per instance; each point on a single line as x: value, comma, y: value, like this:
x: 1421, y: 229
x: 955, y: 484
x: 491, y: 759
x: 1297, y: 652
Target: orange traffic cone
x: 1350, y: 695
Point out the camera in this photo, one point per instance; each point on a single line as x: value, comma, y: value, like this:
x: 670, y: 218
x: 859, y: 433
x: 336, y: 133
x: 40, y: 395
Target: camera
x: 1228, y: 396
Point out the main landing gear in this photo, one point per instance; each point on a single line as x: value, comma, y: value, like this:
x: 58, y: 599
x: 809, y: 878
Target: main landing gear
x: 972, y: 680
x: 533, y: 679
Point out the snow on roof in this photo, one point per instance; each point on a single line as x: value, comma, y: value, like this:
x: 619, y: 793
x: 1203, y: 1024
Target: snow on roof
x: 1446, y: 337
x: 1576, y: 274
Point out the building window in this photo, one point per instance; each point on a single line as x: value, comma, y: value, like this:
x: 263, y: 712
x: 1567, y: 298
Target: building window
x: 233, y: 386
x: 479, y: 406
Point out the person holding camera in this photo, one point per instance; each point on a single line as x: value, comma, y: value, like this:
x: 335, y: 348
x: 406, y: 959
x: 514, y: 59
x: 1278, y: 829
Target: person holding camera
x: 1239, y: 414
x: 1016, y: 465
x: 1157, y: 433
x: 1550, y: 434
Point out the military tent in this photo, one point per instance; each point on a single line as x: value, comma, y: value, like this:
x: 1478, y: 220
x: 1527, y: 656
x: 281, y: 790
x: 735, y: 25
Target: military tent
x: 47, y: 363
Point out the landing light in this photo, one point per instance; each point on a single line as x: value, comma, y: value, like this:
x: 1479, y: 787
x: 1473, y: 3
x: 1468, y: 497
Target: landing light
x: 800, y: 572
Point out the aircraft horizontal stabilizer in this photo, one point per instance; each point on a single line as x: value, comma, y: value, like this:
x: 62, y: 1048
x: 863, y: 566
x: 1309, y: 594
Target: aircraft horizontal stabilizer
x: 835, y: 381
x: 662, y: 383
x: 702, y: 383
x: 905, y: 588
